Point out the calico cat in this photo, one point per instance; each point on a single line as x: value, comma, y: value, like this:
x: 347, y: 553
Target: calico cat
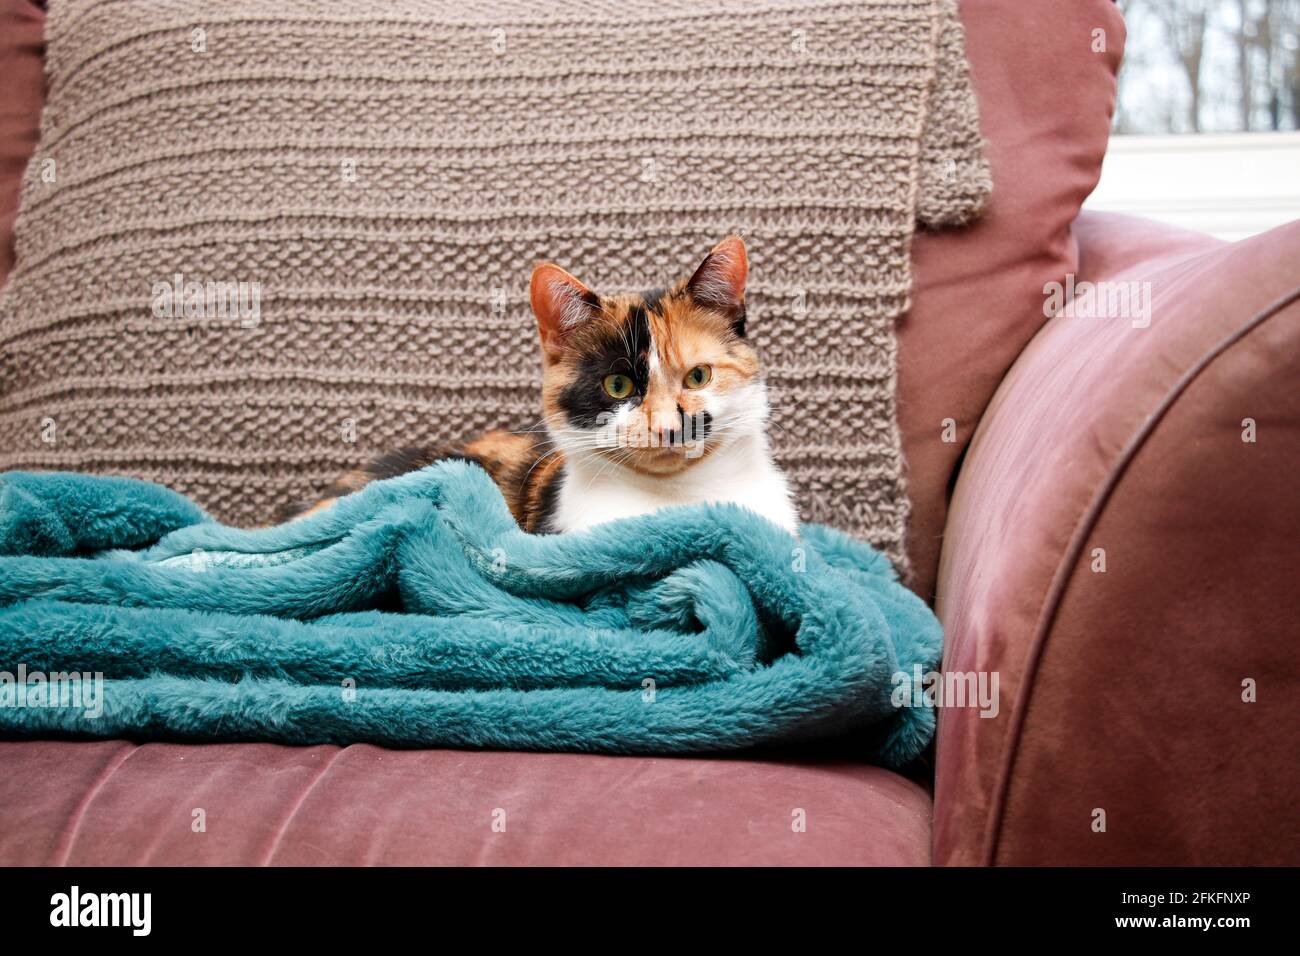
x: 649, y: 400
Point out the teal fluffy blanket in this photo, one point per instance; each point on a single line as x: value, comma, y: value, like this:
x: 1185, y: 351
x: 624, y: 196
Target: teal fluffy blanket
x: 416, y: 613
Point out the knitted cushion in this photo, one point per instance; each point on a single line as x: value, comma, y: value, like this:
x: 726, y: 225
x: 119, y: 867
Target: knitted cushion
x: 382, y: 181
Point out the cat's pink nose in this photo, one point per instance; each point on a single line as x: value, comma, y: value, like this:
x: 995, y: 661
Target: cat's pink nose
x: 666, y: 429
x: 667, y: 437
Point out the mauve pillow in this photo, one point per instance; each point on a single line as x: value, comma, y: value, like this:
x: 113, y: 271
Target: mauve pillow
x: 1046, y: 95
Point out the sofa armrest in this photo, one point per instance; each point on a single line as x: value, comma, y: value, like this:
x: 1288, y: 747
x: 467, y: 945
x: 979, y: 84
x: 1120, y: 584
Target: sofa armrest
x: 1120, y: 551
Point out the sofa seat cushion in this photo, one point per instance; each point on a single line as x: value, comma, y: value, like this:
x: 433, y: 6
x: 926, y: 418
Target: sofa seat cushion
x: 118, y: 803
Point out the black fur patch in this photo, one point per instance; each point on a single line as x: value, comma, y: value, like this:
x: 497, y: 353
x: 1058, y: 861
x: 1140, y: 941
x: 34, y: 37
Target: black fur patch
x: 695, y: 428
x: 738, y: 322
x: 584, y: 400
x: 404, y: 460
x: 654, y: 299
x: 703, y: 426
x: 548, y: 501
x: 401, y: 461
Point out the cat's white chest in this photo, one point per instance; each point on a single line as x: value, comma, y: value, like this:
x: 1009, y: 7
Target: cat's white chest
x: 594, y: 493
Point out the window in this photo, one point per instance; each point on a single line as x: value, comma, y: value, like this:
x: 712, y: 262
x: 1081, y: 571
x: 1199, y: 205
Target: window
x: 1207, y: 125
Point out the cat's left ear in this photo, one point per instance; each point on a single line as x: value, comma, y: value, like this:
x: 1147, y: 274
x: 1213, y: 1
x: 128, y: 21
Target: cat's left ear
x: 719, y: 282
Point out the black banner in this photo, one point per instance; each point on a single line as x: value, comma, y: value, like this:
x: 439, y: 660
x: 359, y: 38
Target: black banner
x: 334, y: 905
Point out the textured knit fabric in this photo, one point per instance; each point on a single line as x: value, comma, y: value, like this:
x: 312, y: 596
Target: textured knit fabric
x: 384, y: 177
x: 694, y: 629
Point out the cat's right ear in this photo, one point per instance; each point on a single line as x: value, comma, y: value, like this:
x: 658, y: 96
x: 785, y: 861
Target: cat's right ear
x: 561, y: 304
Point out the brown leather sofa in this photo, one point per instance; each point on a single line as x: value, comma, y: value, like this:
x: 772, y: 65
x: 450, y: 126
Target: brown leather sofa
x: 1040, y: 450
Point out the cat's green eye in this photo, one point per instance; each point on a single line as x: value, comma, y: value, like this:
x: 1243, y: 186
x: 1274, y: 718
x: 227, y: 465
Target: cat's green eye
x: 617, y: 386
x: 699, y: 376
